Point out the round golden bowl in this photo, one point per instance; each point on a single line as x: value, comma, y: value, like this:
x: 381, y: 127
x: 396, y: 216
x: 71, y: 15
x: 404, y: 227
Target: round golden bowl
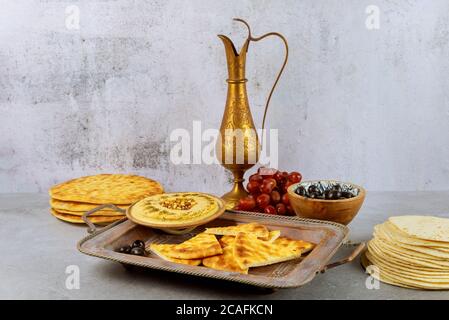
x: 340, y: 211
x: 180, y: 227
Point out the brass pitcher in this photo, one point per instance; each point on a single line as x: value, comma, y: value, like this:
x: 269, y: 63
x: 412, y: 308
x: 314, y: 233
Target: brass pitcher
x: 238, y: 146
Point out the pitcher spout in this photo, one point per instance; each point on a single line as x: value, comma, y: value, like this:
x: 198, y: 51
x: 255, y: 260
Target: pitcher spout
x: 236, y: 61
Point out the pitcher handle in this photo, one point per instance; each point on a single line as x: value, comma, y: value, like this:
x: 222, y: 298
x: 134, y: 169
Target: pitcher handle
x: 255, y: 39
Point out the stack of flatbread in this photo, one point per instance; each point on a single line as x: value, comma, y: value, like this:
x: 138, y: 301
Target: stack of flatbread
x: 239, y: 248
x: 71, y: 199
x: 412, y: 252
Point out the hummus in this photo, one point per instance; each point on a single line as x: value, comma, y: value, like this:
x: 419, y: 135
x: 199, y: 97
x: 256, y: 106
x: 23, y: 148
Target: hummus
x: 175, y: 208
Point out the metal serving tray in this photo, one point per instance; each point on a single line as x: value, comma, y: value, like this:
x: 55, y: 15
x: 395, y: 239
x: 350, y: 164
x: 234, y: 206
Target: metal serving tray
x: 327, y: 236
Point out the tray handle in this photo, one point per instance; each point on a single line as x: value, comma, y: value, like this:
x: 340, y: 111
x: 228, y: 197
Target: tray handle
x: 349, y: 258
x: 91, y: 227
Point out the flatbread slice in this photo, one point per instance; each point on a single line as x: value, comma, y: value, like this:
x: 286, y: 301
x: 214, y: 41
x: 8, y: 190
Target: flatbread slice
x: 77, y: 206
x: 100, y: 213
x: 273, y: 236
x: 373, y: 247
x: 161, y: 251
x: 430, y: 251
x: 228, y: 240
x: 77, y: 219
x: 256, y: 229
x: 410, y: 271
x: 401, y: 237
x: 301, y: 245
x: 423, y: 227
x: 249, y: 251
x: 201, y: 246
x: 391, y: 275
x: 225, y: 261
x: 106, y: 188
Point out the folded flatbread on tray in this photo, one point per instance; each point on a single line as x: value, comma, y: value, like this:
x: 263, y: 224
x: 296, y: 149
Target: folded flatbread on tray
x: 161, y: 251
x: 225, y: 261
x: 249, y: 251
x: 228, y: 240
x: 258, y: 230
x: 201, y: 246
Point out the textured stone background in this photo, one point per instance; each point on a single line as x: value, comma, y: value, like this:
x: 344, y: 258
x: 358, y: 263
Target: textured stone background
x: 369, y: 106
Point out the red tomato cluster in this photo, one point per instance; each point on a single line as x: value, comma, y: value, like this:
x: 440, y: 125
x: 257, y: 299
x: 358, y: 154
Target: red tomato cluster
x: 268, y: 192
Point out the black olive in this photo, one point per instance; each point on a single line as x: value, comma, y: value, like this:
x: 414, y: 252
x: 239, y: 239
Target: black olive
x: 346, y: 194
x: 138, y: 251
x: 336, y: 187
x: 332, y: 195
x: 328, y: 194
x: 313, y: 189
x: 336, y: 195
x: 138, y: 244
x: 125, y: 249
x: 313, y: 195
x: 301, y: 191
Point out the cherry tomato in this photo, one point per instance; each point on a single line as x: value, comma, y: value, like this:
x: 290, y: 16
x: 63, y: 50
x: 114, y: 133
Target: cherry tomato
x: 281, y: 209
x: 263, y: 200
x: 270, y: 209
x: 275, y: 197
x: 294, y: 177
x: 290, y: 211
x: 247, y: 203
x: 285, y: 199
x: 253, y: 187
x: 256, y: 177
x: 285, y: 175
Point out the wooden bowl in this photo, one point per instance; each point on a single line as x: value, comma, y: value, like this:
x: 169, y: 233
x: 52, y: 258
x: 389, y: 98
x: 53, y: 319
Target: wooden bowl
x: 340, y: 211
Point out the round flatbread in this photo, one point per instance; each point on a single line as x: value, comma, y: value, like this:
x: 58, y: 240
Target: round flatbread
x: 399, y: 236
x: 391, y: 249
x: 400, y: 265
x: 101, y: 213
x: 431, y: 252
x: 77, y: 219
x: 72, y: 206
x: 372, y: 246
x: 423, y: 227
x: 411, y: 251
x: 367, y: 263
x: 397, y: 278
x: 106, y: 188
x: 410, y: 270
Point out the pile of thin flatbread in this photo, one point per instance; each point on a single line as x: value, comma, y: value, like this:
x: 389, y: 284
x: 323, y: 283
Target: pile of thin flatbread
x: 412, y: 252
x: 71, y: 199
x: 239, y: 248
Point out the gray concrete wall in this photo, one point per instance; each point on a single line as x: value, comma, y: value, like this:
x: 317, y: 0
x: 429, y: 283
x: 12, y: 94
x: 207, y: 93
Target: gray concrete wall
x: 369, y: 106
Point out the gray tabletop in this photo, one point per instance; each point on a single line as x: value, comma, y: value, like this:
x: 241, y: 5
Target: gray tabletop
x: 37, y: 249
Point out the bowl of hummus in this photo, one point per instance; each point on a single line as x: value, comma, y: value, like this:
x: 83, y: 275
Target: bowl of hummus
x: 176, y: 212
